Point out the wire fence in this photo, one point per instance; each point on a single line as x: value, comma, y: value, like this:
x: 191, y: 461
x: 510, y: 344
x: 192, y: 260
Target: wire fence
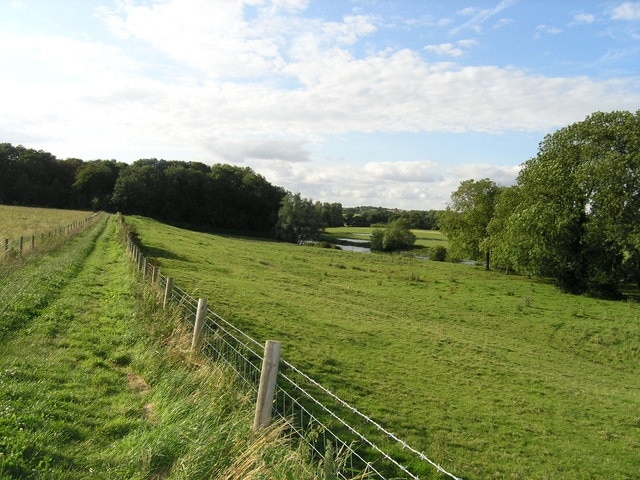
x: 331, y: 427
x: 26, y: 244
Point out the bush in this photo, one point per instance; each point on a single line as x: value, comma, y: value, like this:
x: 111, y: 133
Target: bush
x: 438, y: 253
x: 396, y: 236
x: 375, y: 242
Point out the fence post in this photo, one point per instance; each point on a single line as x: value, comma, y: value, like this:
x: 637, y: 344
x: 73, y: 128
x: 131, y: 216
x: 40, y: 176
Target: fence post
x: 144, y: 268
x: 267, y: 387
x: 33, y: 242
x: 168, y: 292
x: 21, y: 244
x: 154, y: 274
x: 198, y: 327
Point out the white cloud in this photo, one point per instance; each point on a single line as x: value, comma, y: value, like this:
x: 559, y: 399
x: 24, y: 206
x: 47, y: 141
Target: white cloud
x: 629, y: 11
x: 445, y: 49
x: 480, y: 16
x: 239, y: 151
x: 209, y: 35
x: 503, y: 22
x: 451, y: 49
x: 583, y: 18
x: 350, y: 29
x: 422, y: 172
x: 546, y: 30
x: 100, y: 91
x: 419, y: 185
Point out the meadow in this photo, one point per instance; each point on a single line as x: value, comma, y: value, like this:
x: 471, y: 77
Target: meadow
x: 25, y: 221
x: 425, y: 239
x: 490, y: 375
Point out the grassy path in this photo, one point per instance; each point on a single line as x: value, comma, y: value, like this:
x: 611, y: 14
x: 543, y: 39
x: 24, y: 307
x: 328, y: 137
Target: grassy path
x: 62, y: 374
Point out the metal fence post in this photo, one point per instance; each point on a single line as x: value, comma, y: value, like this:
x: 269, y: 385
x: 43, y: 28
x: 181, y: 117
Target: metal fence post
x: 198, y: 327
x: 267, y: 387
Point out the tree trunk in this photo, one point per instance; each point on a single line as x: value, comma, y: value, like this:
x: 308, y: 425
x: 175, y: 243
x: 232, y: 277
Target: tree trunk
x: 486, y: 260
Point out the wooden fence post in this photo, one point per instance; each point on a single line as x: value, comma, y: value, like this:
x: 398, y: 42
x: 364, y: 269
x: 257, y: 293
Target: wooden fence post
x: 154, y: 274
x: 21, y: 244
x: 33, y: 242
x: 144, y: 267
x: 267, y: 387
x: 198, y: 327
x: 168, y: 292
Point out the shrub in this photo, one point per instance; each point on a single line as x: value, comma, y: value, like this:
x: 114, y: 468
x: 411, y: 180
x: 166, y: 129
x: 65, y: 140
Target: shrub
x: 438, y: 253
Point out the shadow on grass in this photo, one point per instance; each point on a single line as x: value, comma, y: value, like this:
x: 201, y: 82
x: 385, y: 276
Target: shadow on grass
x: 155, y: 252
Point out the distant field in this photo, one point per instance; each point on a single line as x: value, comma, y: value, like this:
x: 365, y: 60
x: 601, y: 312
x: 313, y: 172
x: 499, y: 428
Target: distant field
x: 24, y: 221
x: 492, y: 376
x: 425, y: 238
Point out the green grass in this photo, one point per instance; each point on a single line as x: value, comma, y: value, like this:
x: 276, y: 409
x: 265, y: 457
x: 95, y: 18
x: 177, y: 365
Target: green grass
x: 26, y: 221
x: 424, y: 238
x: 492, y: 376
x: 97, y: 382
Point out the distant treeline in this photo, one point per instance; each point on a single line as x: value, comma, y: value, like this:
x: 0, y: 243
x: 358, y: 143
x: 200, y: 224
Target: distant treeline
x: 220, y: 196
x: 367, y: 216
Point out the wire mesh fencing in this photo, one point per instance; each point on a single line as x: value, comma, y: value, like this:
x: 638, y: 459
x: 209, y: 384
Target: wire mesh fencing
x: 334, y: 431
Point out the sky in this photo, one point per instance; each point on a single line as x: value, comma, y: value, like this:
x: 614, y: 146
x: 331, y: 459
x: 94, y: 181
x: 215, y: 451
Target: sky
x: 363, y: 102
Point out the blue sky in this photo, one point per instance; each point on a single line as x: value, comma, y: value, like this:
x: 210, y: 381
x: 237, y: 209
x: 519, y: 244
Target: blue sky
x: 363, y: 102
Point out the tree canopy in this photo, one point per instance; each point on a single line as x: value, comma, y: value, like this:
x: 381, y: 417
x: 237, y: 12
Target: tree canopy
x: 574, y: 213
x: 465, y: 221
x: 219, y: 196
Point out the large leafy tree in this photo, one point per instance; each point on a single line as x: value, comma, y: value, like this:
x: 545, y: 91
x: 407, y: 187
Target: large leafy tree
x: 243, y: 199
x: 298, y: 219
x: 467, y: 217
x: 140, y: 188
x: 577, y: 207
x: 94, y: 182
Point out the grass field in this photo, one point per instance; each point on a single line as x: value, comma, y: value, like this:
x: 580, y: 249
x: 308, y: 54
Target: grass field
x: 424, y: 238
x: 97, y: 382
x: 492, y: 376
x: 25, y: 221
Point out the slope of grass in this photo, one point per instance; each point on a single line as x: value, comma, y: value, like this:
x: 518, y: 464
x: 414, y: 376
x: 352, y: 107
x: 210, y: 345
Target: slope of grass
x: 99, y: 383
x: 492, y: 376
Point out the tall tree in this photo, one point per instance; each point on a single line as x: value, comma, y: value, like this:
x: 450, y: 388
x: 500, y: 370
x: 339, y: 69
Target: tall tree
x: 298, y: 219
x: 578, y: 205
x: 466, y: 219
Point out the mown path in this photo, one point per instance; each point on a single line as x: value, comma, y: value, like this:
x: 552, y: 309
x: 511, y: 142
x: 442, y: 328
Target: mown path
x: 66, y: 338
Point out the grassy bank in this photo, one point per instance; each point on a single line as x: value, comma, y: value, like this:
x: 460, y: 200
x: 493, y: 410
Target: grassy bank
x: 492, y: 376
x: 96, y: 382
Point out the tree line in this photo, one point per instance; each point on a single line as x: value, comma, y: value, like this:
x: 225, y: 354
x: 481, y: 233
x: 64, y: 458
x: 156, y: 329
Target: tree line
x: 192, y: 193
x: 218, y: 196
x: 573, y: 214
